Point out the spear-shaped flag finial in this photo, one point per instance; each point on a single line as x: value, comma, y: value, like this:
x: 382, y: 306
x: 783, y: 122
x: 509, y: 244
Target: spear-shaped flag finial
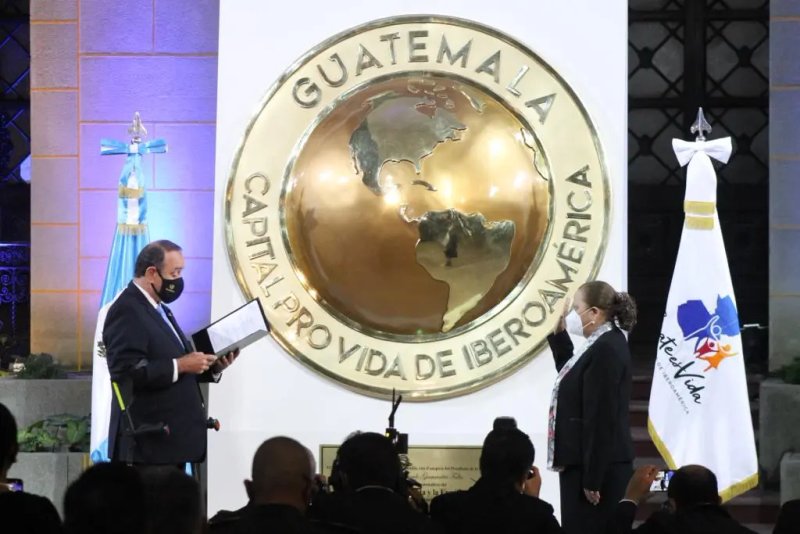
x: 701, y: 126
x: 137, y: 130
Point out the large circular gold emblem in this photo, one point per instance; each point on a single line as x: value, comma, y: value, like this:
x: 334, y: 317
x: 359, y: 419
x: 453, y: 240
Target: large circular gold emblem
x: 412, y: 203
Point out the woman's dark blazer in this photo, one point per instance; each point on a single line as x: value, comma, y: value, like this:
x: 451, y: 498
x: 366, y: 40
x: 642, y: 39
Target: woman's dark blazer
x: 592, y: 419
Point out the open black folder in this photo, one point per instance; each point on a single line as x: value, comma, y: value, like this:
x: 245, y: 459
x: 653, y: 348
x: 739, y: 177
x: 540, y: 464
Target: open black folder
x: 238, y: 329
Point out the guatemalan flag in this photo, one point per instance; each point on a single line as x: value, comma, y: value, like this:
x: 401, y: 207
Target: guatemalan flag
x: 130, y: 238
x: 699, y: 408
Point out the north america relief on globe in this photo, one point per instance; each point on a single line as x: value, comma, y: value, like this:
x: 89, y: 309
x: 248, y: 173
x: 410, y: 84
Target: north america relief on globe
x: 446, y: 203
x: 465, y: 251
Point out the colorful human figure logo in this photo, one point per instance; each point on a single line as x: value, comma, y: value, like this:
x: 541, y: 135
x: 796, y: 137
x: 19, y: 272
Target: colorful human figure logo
x: 708, y: 329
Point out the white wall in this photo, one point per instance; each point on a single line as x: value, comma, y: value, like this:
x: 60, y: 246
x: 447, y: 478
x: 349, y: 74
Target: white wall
x: 269, y: 393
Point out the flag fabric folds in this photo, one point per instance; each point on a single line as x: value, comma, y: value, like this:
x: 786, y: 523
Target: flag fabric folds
x: 699, y: 407
x: 130, y: 237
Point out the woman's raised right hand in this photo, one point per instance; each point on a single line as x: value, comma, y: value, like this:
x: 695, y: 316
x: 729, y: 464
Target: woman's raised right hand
x: 561, y: 325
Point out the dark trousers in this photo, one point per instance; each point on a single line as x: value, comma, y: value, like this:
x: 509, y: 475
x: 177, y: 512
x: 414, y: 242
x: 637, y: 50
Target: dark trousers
x: 578, y: 515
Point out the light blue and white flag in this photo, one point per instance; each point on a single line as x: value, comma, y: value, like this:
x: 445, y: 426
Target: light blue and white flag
x: 699, y: 407
x: 130, y: 238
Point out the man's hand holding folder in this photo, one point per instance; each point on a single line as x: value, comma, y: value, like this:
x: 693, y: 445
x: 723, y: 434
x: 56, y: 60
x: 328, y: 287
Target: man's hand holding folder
x: 225, y: 337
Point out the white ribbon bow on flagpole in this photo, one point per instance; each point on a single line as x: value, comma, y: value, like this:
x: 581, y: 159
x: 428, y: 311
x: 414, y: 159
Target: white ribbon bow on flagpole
x: 701, y: 180
x: 719, y: 149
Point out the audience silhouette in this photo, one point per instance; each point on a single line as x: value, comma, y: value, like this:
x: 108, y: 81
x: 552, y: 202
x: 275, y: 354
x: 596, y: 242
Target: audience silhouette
x: 367, y: 492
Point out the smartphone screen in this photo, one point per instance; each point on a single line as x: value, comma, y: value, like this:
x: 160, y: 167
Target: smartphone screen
x: 661, y: 483
x: 15, y: 484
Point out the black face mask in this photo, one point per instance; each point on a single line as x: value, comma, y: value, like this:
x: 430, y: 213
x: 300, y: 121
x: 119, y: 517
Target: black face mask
x: 171, y: 288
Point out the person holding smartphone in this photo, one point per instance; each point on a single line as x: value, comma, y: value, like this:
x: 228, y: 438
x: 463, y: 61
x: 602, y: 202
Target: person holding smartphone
x: 694, y: 505
x: 20, y: 512
x: 589, y: 437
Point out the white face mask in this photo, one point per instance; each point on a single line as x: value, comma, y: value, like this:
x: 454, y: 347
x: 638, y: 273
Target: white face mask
x: 574, y: 324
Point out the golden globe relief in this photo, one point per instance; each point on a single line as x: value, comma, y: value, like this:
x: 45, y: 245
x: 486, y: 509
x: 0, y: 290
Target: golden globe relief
x: 412, y: 203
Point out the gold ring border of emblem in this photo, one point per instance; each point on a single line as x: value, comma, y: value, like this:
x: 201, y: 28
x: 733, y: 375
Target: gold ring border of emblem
x: 288, y: 301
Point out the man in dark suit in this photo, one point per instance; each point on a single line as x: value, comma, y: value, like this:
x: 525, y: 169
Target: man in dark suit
x: 155, y: 367
x: 282, y: 484
x: 694, y: 504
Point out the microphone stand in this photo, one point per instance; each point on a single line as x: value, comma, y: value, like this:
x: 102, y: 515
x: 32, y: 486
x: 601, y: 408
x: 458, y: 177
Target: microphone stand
x: 132, y: 431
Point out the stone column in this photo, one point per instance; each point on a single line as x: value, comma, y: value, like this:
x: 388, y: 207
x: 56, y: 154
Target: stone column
x: 778, y: 400
x: 784, y: 183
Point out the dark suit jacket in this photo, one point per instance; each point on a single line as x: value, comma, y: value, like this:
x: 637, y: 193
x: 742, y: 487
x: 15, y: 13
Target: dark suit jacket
x: 373, y: 511
x: 788, y: 518
x: 140, y: 348
x: 269, y: 518
x: 592, y: 421
x: 485, y: 509
x: 702, y: 519
x: 23, y: 513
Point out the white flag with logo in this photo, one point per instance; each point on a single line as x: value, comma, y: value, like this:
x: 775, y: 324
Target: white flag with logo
x: 699, y: 407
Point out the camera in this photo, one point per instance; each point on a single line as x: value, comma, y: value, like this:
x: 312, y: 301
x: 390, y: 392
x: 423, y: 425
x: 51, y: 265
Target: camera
x: 504, y: 423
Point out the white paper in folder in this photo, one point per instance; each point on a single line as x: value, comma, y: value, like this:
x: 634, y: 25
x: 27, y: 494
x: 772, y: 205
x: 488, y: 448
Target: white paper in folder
x: 236, y: 330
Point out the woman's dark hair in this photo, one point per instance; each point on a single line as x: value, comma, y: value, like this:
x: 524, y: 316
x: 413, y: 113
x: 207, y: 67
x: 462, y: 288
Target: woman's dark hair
x: 172, y: 499
x: 369, y: 459
x: 507, y: 454
x: 620, y: 306
x: 107, y: 498
x: 8, y: 437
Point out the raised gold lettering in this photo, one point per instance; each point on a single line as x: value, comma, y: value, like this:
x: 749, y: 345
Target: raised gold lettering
x: 579, y: 208
x: 396, y: 369
x: 344, y: 354
x: 366, y: 60
x: 561, y: 283
x: 462, y: 54
x: 426, y: 367
x: 542, y: 106
x: 530, y: 311
x: 514, y: 328
x: 570, y: 252
x: 445, y: 364
x: 248, y: 183
x: 391, y: 38
x: 342, y: 72
x: 326, y: 337
x: 251, y: 206
x: 580, y: 177
x: 495, y: 337
x: 375, y: 355
x: 414, y: 45
x: 481, y: 352
x: 312, y: 94
x: 491, y: 66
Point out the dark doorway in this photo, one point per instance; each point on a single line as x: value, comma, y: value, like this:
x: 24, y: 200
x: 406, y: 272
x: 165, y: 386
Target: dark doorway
x: 684, y: 54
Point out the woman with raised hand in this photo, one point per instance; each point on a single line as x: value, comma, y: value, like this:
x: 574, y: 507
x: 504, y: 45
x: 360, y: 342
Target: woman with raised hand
x: 589, y: 437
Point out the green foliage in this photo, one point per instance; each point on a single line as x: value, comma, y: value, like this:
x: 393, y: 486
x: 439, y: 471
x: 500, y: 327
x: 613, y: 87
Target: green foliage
x: 790, y: 373
x: 57, y: 433
x: 41, y: 366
